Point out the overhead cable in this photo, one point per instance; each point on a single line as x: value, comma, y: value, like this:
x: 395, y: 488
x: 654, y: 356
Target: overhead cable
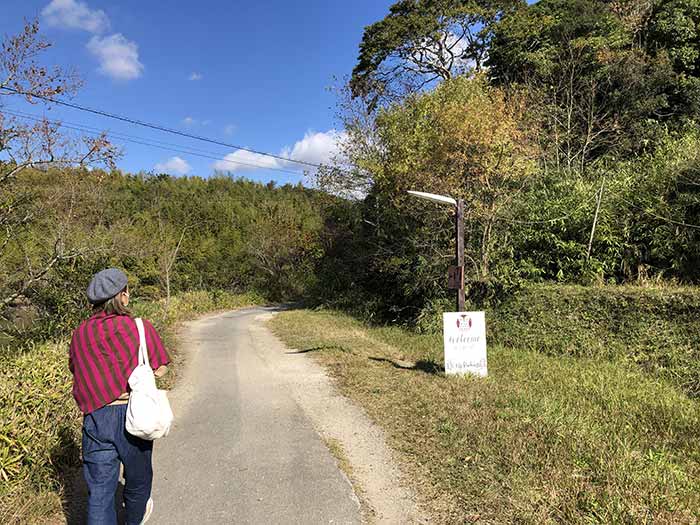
x: 156, y: 127
x: 661, y: 217
x: 547, y: 221
x: 145, y: 142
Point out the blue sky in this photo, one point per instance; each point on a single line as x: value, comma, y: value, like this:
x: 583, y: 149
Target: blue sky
x: 254, y: 74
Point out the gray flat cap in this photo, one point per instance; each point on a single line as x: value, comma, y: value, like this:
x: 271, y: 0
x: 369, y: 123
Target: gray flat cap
x: 105, y: 285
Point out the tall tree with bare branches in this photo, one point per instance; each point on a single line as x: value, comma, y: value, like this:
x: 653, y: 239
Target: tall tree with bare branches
x: 36, y: 145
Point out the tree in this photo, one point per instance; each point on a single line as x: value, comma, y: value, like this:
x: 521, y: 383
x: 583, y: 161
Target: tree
x: 602, y: 77
x: 465, y: 139
x: 283, y: 243
x: 673, y: 27
x: 38, y: 145
x: 672, y: 31
x: 421, y: 41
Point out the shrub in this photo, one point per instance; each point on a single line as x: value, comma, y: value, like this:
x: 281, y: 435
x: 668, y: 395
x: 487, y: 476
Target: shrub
x: 658, y: 329
x: 39, y: 423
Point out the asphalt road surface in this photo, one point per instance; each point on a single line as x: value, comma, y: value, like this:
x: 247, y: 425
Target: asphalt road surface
x: 241, y: 450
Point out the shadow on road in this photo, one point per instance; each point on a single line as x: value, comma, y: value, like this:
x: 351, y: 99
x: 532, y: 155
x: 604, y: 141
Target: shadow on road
x: 319, y: 348
x: 429, y: 367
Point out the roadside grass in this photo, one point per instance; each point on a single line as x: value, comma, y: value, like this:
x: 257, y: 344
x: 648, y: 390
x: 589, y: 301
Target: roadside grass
x: 40, y: 423
x: 338, y: 452
x: 656, y: 328
x: 543, y: 439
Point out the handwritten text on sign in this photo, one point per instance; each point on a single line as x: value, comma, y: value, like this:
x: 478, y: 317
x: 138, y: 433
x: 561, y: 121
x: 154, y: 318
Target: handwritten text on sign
x: 465, y: 343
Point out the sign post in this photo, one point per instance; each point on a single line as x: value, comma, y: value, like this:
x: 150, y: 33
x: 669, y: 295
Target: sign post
x: 464, y: 335
x: 464, y: 332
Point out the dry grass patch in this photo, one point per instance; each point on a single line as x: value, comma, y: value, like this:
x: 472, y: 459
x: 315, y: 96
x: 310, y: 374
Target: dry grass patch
x: 544, y: 439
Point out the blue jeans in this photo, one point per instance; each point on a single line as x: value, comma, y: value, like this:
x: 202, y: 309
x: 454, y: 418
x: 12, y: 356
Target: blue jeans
x: 106, y: 444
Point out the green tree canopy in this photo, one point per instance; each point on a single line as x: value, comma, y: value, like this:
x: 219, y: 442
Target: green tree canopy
x: 421, y: 41
x: 599, y: 86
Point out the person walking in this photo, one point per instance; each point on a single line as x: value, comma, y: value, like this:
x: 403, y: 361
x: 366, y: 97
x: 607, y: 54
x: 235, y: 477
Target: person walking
x: 103, y: 353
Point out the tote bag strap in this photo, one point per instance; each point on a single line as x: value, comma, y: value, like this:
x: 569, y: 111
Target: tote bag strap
x: 143, y: 349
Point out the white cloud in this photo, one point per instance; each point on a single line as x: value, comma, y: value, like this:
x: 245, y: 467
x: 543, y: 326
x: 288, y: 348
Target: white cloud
x: 195, y: 76
x: 119, y: 57
x: 229, y: 129
x: 242, y: 160
x: 70, y: 14
x: 173, y: 166
x: 189, y: 121
x: 316, y: 148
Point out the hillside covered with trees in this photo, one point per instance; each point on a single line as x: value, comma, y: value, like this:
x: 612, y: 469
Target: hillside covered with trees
x: 569, y: 128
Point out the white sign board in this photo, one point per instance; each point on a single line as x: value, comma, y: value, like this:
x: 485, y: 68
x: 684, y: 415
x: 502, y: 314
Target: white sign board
x: 465, y: 343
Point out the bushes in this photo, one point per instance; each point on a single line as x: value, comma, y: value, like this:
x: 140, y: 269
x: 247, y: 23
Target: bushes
x: 170, y: 234
x: 39, y: 424
x: 655, y: 328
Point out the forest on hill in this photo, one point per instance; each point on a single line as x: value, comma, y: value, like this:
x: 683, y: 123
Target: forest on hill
x: 568, y: 127
x: 170, y: 234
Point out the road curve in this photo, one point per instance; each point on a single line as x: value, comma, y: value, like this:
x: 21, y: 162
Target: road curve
x: 241, y: 450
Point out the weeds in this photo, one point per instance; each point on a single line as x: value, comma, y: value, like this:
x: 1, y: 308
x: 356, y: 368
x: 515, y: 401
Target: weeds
x: 657, y: 329
x: 543, y: 439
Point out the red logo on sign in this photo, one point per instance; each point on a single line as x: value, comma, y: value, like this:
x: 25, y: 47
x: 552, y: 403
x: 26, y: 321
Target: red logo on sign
x: 464, y: 322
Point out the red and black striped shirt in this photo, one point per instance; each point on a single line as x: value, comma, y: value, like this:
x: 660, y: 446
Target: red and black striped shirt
x: 103, y: 353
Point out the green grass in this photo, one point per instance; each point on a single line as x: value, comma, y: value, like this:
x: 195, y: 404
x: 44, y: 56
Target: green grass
x: 40, y: 423
x: 543, y: 439
x: 657, y: 329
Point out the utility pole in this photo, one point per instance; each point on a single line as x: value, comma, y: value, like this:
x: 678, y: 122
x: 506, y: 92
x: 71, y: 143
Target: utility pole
x: 459, y: 231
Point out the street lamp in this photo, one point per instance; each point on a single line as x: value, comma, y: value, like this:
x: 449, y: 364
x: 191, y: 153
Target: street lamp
x: 456, y: 273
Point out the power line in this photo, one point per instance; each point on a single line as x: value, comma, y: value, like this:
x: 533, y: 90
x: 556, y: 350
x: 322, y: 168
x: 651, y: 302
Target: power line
x: 144, y: 142
x: 155, y: 126
x: 546, y: 221
x: 93, y: 129
x: 661, y: 217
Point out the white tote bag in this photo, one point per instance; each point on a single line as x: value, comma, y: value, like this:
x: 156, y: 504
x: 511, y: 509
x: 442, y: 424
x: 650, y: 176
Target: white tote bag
x: 148, y: 414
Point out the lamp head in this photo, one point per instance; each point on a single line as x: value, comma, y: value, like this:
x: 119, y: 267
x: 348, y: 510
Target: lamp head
x: 442, y: 199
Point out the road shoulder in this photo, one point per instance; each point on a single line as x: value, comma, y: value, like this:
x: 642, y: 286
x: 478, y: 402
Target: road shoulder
x: 357, y: 443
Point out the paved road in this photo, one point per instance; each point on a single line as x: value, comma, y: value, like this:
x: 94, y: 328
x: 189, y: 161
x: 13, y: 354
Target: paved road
x: 241, y: 450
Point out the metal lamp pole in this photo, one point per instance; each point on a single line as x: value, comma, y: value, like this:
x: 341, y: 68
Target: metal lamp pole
x: 456, y: 274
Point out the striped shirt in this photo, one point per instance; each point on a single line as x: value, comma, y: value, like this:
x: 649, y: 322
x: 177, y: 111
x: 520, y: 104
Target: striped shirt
x: 103, y: 353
